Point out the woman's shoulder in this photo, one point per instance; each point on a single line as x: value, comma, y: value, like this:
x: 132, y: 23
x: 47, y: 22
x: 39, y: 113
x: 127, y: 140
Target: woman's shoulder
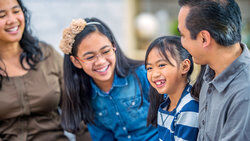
x: 52, y: 58
x: 49, y: 51
x: 46, y: 48
x: 141, y: 69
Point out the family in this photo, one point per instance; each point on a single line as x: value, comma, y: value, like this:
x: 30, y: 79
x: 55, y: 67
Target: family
x: 97, y: 91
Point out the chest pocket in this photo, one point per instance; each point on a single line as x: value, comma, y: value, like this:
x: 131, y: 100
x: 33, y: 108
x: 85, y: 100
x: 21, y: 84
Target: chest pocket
x: 103, y: 117
x: 133, y: 109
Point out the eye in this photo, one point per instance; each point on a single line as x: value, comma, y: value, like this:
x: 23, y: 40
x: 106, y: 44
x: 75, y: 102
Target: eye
x: 148, y: 68
x: 2, y: 15
x: 106, y: 51
x: 16, y: 11
x: 89, y: 58
x: 162, y: 65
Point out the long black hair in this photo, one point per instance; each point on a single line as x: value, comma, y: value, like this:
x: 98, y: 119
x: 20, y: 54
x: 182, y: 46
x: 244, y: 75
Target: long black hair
x: 29, y: 44
x: 171, y: 44
x: 76, y: 103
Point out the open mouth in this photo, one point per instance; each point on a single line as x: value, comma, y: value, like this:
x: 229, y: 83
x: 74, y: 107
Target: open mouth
x: 13, y: 29
x: 102, y: 70
x: 160, y: 83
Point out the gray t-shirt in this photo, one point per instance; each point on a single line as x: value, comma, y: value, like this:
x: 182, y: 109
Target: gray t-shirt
x: 224, y: 108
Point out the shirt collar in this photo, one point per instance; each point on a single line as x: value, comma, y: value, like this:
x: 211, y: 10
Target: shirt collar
x: 223, y: 79
x: 186, y: 91
x: 118, y: 82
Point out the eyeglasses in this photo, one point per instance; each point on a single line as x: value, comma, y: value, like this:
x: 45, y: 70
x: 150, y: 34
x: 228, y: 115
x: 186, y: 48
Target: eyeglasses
x: 91, y: 57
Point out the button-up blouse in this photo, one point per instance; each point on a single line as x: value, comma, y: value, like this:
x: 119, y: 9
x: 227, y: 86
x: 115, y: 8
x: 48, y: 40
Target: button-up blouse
x: 29, y: 103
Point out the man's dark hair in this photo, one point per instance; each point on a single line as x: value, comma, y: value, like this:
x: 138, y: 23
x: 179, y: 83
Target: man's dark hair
x: 221, y: 18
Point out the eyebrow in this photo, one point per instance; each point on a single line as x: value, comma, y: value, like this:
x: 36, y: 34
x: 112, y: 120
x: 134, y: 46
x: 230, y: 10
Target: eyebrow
x: 16, y: 6
x: 158, y: 61
x: 91, y: 52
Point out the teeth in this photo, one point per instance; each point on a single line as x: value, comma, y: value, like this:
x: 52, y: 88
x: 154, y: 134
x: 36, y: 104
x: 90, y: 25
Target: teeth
x: 103, y: 69
x: 158, y: 83
x: 12, y: 29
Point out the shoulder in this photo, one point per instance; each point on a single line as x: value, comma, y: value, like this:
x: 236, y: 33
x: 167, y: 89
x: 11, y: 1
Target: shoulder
x: 241, y: 84
x: 52, y: 58
x: 142, y: 73
x: 141, y: 69
x: 46, y: 48
x: 49, y: 52
x: 188, y: 104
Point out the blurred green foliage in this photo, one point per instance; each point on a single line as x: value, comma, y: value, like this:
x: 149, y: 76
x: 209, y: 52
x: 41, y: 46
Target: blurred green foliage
x: 246, y: 34
x: 173, y: 28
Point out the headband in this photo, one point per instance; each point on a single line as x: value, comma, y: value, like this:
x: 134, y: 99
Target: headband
x: 69, y: 34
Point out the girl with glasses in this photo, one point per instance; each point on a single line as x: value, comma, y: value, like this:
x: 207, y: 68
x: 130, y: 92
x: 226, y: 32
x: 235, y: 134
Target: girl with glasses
x: 105, y: 89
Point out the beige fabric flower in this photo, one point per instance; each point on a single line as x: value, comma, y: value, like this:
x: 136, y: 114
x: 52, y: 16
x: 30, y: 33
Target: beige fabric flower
x: 69, y: 33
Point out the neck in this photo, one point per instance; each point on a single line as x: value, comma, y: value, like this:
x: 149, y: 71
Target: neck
x: 105, y: 85
x: 10, y: 50
x: 176, y: 95
x: 223, y: 57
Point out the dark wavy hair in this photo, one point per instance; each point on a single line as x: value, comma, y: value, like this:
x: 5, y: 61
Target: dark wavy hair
x: 30, y: 45
x: 221, y: 18
x: 171, y: 44
x: 76, y: 103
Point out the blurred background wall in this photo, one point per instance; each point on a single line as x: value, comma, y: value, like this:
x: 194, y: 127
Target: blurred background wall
x: 50, y: 17
x: 135, y: 23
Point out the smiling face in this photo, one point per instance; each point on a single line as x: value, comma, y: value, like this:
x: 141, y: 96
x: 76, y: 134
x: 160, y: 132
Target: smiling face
x: 12, y: 21
x: 163, y: 76
x: 194, y: 46
x: 101, y: 69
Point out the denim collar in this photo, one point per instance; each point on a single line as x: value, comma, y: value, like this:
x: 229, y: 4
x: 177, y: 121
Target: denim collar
x: 118, y: 82
x: 223, y: 79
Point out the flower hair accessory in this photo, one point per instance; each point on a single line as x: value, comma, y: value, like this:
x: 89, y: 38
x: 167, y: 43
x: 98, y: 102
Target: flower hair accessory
x: 69, y: 34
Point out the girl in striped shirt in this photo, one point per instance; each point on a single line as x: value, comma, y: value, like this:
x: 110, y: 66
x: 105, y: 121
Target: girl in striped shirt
x: 172, y: 108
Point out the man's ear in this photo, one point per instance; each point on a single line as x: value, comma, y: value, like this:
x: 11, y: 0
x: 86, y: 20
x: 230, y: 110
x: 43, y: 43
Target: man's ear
x: 185, y: 66
x: 205, y: 37
x: 75, y: 62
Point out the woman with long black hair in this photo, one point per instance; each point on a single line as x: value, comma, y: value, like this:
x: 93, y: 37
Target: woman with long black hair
x: 30, y: 80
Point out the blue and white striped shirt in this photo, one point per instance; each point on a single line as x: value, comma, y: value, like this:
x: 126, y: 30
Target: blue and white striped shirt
x: 181, y: 124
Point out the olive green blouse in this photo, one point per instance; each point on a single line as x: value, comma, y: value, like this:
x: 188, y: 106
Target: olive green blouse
x: 29, y: 103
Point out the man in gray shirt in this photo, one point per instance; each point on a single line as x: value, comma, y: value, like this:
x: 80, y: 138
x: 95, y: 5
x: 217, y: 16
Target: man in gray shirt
x: 211, y: 31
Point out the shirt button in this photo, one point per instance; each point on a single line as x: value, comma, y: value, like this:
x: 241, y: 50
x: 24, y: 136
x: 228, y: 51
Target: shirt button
x: 209, y: 90
x: 203, y: 122
x: 124, y: 128
x: 110, y: 98
x: 117, y: 113
x: 100, y: 114
x: 206, y: 107
x: 133, y: 103
x: 129, y: 136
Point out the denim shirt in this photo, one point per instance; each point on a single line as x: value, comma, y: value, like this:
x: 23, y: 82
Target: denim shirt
x: 117, y: 113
